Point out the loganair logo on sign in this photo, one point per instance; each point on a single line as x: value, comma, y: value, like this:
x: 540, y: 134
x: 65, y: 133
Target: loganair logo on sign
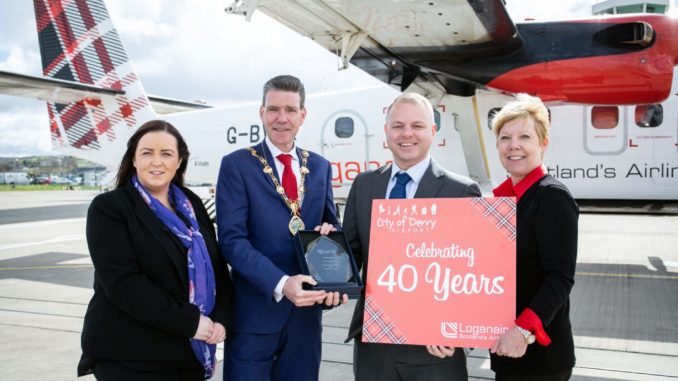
x: 457, y: 330
x: 411, y: 218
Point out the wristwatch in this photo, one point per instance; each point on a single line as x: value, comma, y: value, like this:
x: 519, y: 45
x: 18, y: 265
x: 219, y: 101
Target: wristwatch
x: 529, y: 337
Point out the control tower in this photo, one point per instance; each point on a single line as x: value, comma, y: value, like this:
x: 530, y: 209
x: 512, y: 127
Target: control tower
x: 615, y: 7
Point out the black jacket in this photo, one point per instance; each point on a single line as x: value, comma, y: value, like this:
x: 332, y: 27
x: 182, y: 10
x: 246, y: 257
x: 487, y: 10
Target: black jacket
x: 140, y: 310
x: 546, y: 258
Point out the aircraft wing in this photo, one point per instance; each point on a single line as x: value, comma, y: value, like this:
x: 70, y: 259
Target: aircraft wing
x: 64, y: 92
x: 393, y: 41
x: 163, y: 105
x: 50, y: 90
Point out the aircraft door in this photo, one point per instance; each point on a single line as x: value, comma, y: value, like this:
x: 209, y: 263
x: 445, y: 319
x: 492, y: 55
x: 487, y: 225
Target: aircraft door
x: 605, y: 130
x: 344, y: 143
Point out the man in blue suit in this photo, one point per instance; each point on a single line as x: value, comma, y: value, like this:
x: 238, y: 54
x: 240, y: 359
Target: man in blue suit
x: 265, y: 194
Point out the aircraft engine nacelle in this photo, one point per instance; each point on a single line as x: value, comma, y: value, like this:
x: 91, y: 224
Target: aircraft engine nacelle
x: 625, y: 62
x: 612, y: 60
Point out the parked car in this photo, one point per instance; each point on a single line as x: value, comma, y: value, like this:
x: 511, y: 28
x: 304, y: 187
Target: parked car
x: 65, y: 180
x: 42, y: 180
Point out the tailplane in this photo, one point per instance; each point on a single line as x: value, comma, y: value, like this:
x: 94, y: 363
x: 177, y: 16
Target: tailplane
x: 79, y: 43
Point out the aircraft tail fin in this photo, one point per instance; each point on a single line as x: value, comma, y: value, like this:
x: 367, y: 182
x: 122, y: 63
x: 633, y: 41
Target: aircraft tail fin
x: 78, y: 42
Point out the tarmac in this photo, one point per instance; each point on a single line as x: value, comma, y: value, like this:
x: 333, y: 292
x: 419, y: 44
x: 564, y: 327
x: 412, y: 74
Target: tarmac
x: 624, y: 303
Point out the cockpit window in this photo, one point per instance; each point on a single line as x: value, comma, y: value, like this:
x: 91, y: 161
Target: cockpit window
x: 649, y: 115
x: 490, y: 116
x: 344, y: 127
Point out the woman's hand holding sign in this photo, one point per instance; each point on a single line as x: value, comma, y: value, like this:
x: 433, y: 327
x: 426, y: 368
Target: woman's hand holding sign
x: 510, y: 344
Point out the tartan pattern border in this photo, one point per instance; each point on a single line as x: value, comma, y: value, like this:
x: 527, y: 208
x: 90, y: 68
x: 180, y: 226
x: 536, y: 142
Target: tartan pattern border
x: 79, y: 43
x: 501, y: 211
x: 378, y: 328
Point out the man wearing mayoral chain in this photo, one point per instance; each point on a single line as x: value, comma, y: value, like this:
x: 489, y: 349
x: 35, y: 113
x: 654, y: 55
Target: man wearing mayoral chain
x: 265, y: 194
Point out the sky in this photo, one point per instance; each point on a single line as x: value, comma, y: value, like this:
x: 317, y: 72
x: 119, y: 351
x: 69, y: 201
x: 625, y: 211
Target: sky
x: 193, y: 50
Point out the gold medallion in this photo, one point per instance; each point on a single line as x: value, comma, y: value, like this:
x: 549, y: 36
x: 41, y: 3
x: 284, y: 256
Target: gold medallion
x: 295, y: 224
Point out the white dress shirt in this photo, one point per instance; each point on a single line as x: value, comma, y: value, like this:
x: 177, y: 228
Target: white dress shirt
x: 416, y: 172
x: 279, y: 167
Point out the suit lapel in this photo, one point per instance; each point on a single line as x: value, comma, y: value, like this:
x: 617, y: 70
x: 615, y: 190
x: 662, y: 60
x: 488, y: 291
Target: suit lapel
x: 308, y: 180
x: 430, y: 183
x: 160, y: 233
x: 378, y: 188
x: 262, y: 150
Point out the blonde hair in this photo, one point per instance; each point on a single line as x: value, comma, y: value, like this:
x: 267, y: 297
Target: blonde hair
x: 411, y: 98
x: 524, y: 106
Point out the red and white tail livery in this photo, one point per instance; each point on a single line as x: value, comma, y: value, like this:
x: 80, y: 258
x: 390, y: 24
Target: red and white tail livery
x: 78, y: 43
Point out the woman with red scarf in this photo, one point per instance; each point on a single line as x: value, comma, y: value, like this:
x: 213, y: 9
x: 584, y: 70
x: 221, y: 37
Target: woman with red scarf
x: 540, y: 347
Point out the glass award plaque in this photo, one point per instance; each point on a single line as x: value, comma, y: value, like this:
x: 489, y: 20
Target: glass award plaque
x: 328, y: 259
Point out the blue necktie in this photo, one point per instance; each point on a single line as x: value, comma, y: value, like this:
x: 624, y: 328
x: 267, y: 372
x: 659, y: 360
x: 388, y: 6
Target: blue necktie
x: 398, y: 190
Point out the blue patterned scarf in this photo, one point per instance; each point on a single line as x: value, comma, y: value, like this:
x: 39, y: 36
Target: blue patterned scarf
x: 201, y: 285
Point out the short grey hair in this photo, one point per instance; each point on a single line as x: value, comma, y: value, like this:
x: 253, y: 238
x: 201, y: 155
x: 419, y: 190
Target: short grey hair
x: 411, y: 98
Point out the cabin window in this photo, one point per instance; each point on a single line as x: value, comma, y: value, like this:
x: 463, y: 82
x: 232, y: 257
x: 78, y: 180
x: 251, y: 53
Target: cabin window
x: 649, y: 115
x: 344, y: 127
x: 436, y: 119
x: 490, y: 116
x: 605, y: 117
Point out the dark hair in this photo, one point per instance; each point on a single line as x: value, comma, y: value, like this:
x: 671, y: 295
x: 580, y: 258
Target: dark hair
x: 285, y: 83
x: 127, y: 170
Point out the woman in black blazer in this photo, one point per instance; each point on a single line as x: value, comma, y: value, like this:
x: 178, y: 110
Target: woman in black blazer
x: 540, y: 347
x: 162, y: 294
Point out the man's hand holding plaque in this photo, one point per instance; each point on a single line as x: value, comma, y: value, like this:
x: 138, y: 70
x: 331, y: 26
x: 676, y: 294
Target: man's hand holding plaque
x: 324, y: 254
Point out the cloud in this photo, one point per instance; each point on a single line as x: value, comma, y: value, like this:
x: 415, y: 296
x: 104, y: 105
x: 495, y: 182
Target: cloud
x: 540, y: 10
x: 18, y: 59
x: 24, y: 128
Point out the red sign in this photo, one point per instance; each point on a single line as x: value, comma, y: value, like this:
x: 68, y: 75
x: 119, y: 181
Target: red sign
x: 441, y: 271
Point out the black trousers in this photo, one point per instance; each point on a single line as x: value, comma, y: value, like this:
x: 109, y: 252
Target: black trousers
x: 389, y: 362
x: 115, y: 371
x: 563, y: 376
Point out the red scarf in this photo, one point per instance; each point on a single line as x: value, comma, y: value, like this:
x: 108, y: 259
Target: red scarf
x: 508, y: 189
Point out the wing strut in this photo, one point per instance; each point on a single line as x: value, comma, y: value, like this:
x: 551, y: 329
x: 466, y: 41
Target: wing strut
x: 244, y: 8
x: 350, y: 43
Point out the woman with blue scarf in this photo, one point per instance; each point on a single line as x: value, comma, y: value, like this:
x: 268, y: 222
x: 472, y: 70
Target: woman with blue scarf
x: 162, y: 294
